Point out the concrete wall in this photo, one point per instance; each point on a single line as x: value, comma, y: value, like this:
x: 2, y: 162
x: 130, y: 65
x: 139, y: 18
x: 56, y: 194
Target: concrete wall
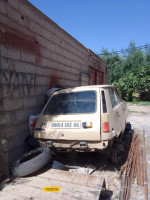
x: 35, y: 55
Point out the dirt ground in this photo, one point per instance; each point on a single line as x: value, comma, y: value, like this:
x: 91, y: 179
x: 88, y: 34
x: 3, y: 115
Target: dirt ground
x: 139, y: 116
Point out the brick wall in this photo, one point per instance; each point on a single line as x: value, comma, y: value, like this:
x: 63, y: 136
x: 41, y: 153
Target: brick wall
x: 35, y: 55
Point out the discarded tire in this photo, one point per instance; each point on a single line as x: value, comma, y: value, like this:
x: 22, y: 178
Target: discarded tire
x: 32, y: 162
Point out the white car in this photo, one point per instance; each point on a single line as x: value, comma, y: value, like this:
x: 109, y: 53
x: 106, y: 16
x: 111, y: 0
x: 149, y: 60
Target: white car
x: 85, y: 118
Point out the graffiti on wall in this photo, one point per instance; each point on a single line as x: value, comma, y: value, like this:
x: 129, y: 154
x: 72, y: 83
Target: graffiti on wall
x: 18, y: 83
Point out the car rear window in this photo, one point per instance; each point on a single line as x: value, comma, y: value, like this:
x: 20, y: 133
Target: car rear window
x: 72, y: 103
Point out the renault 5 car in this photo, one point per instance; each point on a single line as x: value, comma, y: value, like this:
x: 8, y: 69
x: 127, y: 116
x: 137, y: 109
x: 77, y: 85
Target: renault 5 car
x: 85, y: 118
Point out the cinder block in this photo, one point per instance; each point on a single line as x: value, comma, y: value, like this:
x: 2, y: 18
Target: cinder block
x: 15, y: 15
x: 50, y: 45
x: 14, y: 3
x: 53, y: 65
x: 12, y: 104
x: 4, y: 166
x: 21, y: 116
x: 25, y: 67
x: 35, y: 27
x: 35, y: 111
x: 3, y: 7
x: 46, y: 53
x: 72, y: 77
x: 1, y: 90
x: 41, y: 100
x: 7, y: 118
x: 30, y: 102
x: 27, y: 9
x: 47, y: 34
x: 41, y: 90
x: 16, y: 152
x: 7, y: 64
x: 58, y: 58
x: 16, y: 91
x: 57, y: 40
x: 50, y: 25
x: 41, y: 80
x: 44, y: 62
x: 18, y: 83
x: 18, y: 139
x: 10, y: 52
x: 27, y: 57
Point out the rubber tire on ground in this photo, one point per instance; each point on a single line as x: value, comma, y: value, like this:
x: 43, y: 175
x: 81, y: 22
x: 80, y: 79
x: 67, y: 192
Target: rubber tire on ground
x: 24, y: 168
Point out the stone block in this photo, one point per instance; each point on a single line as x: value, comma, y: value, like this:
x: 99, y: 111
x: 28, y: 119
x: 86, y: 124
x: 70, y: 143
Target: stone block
x: 3, y: 7
x: 7, y: 64
x: 15, y: 15
x: 21, y: 116
x: 14, y: 3
x: 25, y: 67
x: 17, y: 139
x: 41, y: 100
x: 47, y: 34
x: 35, y: 27
x: 10, y: 52
x: 41, y: 80
x: 27, y: 57
x: 12, y: 104
x: 30, y: 102
x: 49, y: 45
x: 8, y: 118
x: 16, y: 152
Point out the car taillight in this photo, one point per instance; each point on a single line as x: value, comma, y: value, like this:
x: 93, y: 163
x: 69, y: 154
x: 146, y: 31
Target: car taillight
x: 34, y: 122
x: 105, y: 123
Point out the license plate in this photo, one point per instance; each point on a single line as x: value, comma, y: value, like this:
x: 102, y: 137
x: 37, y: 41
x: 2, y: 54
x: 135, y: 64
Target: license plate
x: 65, y: 125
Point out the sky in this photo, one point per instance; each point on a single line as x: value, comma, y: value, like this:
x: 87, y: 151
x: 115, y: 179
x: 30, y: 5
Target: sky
x: 97, y: 24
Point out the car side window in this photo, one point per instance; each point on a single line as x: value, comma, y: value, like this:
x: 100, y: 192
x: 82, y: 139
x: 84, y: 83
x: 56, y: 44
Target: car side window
x: 112, y: 97
x: 117, y: 96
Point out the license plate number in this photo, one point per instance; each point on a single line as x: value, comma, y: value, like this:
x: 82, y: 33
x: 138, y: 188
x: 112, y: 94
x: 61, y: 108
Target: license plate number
x: 65, y: 125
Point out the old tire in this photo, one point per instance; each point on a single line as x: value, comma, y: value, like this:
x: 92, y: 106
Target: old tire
x: 32, y: 162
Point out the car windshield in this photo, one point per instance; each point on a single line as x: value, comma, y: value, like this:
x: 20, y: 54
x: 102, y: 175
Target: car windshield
x: 71, y: 103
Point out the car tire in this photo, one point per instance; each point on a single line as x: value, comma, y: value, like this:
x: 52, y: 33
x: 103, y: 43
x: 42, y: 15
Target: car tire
x: 32, y: 162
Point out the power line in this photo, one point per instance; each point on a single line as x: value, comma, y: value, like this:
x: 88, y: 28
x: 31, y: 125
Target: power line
x: 126, y: 50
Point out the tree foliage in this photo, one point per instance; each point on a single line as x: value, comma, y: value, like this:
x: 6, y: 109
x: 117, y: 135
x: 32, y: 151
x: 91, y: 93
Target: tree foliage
x: 130, y: 72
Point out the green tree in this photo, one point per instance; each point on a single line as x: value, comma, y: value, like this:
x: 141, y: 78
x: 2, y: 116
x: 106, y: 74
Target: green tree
x: 130, y: 72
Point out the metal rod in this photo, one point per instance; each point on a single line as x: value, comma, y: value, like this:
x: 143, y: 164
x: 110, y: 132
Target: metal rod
x: 145, y: 168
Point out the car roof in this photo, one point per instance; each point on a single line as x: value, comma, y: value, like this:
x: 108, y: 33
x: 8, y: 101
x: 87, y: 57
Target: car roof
x: 81, y: 88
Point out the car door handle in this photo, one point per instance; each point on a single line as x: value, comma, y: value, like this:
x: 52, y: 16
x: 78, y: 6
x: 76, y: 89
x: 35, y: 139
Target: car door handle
x: 117, y: 113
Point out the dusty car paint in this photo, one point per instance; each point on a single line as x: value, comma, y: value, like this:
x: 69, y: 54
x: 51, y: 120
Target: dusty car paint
x: 83, y: 131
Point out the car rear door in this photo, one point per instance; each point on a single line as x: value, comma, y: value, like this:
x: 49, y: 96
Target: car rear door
x: 73, y: 116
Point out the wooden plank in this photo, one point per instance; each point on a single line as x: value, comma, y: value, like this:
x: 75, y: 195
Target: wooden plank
x: 72, y: 186
x: 35, y: 188
x: 70, y: 177
x: 28, y: 192
x: 7, y: 196
x: 70, y: 189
